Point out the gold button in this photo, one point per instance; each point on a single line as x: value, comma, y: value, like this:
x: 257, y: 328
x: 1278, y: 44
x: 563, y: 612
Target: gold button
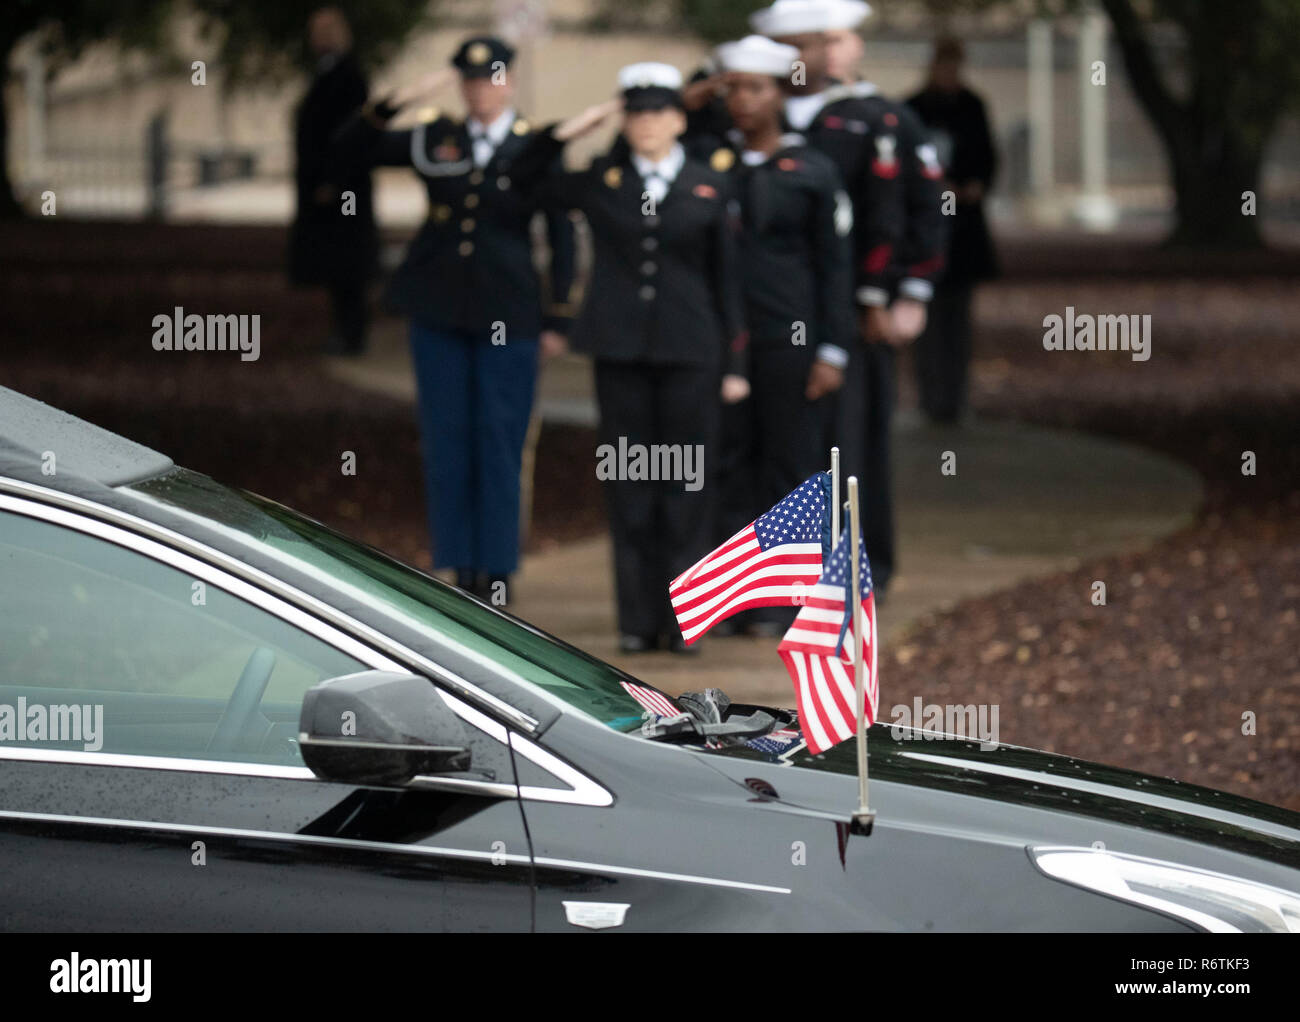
x: 466, y: 247
x: 476, y: 177
x: 467, y: 224
x: 471, y: 200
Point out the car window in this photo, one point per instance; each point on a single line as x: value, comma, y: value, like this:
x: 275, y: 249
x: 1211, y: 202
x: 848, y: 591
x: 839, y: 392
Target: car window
x: 585, y: 683
x: 141, y: 658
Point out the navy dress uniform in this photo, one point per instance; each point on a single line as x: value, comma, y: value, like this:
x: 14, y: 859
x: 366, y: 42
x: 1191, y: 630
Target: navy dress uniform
x: 916, y: 263
x: 662, y: 322
x: 796, y: 259
x: 475, y: 302
x: 871, y: 141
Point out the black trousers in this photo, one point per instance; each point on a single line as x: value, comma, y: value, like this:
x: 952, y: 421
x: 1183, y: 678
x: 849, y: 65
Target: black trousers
x: 860, y: 427
x: 771, y: 442
x: 943, y: 353
x: 659, y: 527
x: 351, y: 315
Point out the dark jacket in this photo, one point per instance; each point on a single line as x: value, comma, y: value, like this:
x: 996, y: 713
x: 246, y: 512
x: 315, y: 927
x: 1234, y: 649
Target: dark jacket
x: 471, y: 264
x: 959, y: 128
x: 664, y: 287
x: 796, y: 248
x: 852, y: 131
x: 326, y: 244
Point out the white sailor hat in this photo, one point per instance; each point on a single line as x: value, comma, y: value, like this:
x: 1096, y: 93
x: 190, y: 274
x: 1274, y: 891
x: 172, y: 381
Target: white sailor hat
x: 848, y: 13
x: 794, y: 17
x: 650, y: 86
x: 757, y: 54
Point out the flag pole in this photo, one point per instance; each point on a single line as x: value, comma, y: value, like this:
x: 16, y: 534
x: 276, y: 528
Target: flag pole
x: 864, y: 817
x: 835, y: 496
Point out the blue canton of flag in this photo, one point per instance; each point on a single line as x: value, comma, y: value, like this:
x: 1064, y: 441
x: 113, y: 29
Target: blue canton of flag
x: 769, y: 563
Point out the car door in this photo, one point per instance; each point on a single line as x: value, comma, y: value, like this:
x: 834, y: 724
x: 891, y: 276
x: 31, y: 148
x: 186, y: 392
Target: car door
x: 138, y: 791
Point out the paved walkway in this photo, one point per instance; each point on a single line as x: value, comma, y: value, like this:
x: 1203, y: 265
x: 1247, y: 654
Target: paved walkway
x: 1023, y: 502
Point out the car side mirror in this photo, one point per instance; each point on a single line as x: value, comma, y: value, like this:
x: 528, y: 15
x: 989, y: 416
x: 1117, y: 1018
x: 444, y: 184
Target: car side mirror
x: 380, y: 727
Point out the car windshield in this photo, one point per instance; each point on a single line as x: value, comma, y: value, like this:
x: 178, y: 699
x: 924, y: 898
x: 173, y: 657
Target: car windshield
x: 578, y: 679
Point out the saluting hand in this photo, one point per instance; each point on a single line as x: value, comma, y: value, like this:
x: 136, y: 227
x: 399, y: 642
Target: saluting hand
x: 580, y: 124
x: 697, y: 94
x: 433, y: 82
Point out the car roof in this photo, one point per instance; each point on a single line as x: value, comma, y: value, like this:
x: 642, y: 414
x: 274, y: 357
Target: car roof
x: 29, y: 429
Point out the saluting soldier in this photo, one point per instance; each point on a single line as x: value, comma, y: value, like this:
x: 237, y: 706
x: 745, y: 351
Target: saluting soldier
x: 796, y: 260
x: 475, y: 303
x: 662, y: 322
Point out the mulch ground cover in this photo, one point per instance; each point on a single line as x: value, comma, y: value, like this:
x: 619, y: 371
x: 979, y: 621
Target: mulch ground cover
x: 1192, y: 667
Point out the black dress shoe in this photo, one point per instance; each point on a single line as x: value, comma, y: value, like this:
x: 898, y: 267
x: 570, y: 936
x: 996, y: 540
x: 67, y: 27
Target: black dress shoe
x: 635, y: 644
x: 467, y: 580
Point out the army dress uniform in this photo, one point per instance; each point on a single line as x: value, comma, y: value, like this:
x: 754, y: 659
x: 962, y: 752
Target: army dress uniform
x: 662, y: 322
x: 475, y: 301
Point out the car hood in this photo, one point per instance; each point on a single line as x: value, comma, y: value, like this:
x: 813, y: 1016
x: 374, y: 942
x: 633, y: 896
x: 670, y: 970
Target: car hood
x: 1024, y: 777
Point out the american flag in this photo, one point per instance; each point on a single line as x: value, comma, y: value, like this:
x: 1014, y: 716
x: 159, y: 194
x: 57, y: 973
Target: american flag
x: 776, y: 743
x: 650, y: 699
x: 818, y: 653
x: 765, y: 564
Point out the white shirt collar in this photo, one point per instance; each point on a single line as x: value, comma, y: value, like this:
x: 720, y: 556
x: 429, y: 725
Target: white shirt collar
x: 802, y: 110
x: 789, y: 140
x: 668, y: 168
x: 497, y: 130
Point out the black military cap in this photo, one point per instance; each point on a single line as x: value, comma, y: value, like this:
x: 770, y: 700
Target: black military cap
x: 479, y: 56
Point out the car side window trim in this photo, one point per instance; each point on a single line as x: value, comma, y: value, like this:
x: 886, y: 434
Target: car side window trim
x: 42, y: 497
x: 581, y: 789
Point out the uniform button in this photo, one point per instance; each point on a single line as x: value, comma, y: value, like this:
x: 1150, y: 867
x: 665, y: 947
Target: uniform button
x: 471, y: 200
x: 648, y: 268
x: 476, y: 177
x: 646, y: 293
x: 467, y: 224
x: 466, y: 247
x: 503, y: 183
x: 649, y: 244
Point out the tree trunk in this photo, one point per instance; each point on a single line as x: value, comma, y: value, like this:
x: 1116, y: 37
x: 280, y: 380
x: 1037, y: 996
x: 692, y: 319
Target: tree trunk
x: 1210, y: 170
x: 1214, y: 141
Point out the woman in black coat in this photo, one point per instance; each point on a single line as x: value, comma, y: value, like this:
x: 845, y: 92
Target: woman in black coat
x: 662, y: 322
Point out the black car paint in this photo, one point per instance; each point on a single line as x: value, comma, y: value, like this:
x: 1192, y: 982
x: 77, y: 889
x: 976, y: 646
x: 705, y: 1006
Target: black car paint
x: 689, y: 842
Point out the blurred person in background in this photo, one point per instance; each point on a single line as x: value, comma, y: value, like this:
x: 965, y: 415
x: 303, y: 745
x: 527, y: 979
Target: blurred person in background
x: 662, y: 322
x: 959, y: 126
x: 475, y: 301
x: 796, y: 268
x: 333, y: 241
